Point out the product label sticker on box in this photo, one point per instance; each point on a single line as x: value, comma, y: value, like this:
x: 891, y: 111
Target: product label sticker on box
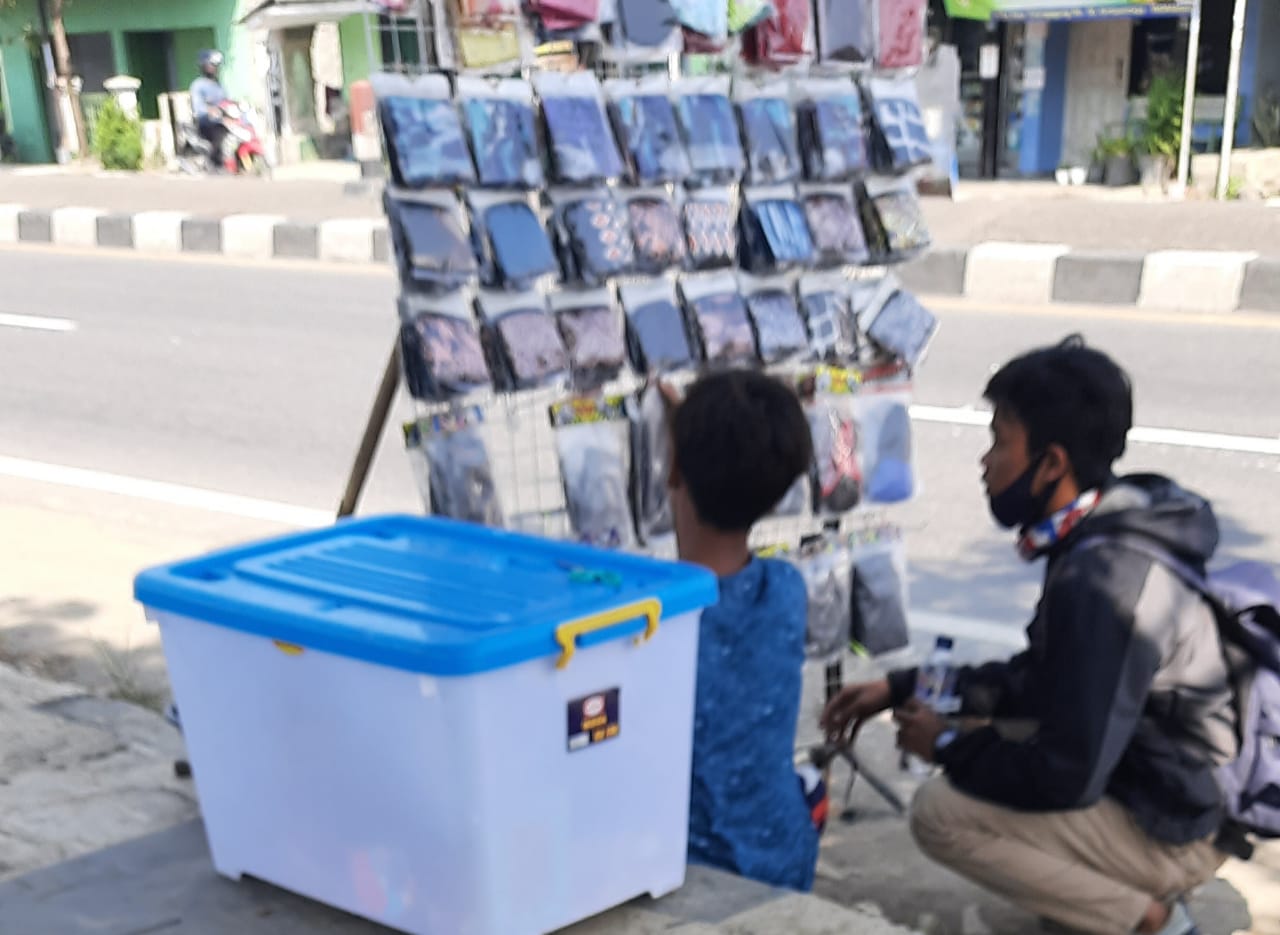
x: 593, y: 719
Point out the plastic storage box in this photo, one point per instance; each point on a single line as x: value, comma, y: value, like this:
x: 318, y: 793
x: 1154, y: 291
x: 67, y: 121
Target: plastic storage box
x: 444, y: 728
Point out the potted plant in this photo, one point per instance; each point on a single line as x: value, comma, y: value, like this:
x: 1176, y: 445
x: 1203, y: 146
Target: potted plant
x: 1161, y: 135
x: 1115, y: 154
x: 1063, y: 175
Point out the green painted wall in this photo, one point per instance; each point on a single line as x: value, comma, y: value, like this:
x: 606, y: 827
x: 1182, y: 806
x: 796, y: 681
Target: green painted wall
x: 196, y: 24
x: 355, y: 50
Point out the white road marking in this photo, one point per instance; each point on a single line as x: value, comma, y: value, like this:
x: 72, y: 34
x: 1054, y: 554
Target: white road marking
x: 1180, y: 438
x: 211, y: 501
x: 36, y: 322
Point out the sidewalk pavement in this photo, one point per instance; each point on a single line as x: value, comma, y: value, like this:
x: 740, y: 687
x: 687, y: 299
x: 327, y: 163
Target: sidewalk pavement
x: 98, y: 836
x: 1019, y: 242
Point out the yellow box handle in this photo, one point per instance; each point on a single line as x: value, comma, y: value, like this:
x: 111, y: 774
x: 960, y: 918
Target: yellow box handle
x: 567, y: 633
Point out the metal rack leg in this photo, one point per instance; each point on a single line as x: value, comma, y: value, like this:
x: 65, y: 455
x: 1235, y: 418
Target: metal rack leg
x: 372, y: 433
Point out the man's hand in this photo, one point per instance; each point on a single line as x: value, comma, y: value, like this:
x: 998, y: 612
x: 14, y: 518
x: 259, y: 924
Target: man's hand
x: 918, y: 728
x: 855, y: 703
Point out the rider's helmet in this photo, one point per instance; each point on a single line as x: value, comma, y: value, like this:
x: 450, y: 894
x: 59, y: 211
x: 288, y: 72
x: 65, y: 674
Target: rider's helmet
x: 210, y: 60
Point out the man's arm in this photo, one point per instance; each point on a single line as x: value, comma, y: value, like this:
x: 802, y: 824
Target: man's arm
x: 995, y: 689
x: 1094, y: 679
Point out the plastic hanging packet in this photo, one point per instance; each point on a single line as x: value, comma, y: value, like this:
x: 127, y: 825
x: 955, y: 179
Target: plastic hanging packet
x: 504, y: 135
x: 888, y: 461
x: 719, y: 315
x: 431, y: 247
x: 657, y: 334
x: 646, y: 127
x: 656, y: 234
x: 838, y: 476
x: 583, y: 149
x: 710, y: 132
x: 825, y: 567
x: 651, y: 464
x: 780, y: 333
x: 595, y: 469
x: 594, y: 336
x: 460, y: 476
x: 524, y: 344
x: 879, y: 592
x: 425, y: 142
x: 442, y: 356
x: 770, y: 138
x: 904, y: 327
x: 596, y: 233
x: 829, y: 320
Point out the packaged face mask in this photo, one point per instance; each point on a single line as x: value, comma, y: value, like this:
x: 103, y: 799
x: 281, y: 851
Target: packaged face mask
x: 503, y: 130
x: 769, y: 136
x: 884, y: 427
x: 710, y: 132
x: 646, y: 126
x: 836, y: 229
x: 720, y: 316
x: 879, y: 619
x: 904, y: 328
x: 829, y: 320
x: 434, y: 252
x: 832, y: 135
x: 782, y: 39
x: 656, y: 327
x: 825, y: 567
x: 711, y: 232
x: 902, y: 141
x: 595, y: 470
x: 442, y: 356
x: 523, y: 340
x: 594, y: 336
x: 512, y: 241
x: 425, y: 141
x: 460, y: 477
x: 656, y: 234
x: 895, y: 211
x: 651, y: 463
x: 838, y: 487
x: 902, y: 26
x: 780, y: 333
x: 775, y: 235
x: 597, y: 236
x: 583, y: 150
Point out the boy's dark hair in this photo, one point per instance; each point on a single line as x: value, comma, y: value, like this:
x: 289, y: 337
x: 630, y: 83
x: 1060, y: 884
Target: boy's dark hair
x: 740, y: 441
x: 1070, y: 395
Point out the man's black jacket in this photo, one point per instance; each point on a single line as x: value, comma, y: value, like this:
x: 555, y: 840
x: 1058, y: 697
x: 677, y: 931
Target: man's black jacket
x: 1124, y: 674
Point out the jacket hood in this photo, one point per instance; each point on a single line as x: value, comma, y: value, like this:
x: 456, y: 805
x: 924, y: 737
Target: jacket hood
x: 1155, y: 507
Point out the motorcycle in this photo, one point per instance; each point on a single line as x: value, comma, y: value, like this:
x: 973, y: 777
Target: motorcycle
x: 243, y: 151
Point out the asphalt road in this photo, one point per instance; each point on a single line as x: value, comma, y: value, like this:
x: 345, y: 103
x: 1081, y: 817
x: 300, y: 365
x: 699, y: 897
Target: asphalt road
x: 255, y: 381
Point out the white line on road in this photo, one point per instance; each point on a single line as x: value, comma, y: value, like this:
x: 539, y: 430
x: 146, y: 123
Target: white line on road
x: 211, y: 501
x: 36, y: 322
x: 1180, y: 438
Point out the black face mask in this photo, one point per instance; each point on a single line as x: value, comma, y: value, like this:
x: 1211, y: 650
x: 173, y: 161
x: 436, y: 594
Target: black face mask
x: 1016, y: 505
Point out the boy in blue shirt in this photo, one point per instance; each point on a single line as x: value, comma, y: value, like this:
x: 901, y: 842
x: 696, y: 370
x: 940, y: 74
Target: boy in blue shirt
x: 739, y: 441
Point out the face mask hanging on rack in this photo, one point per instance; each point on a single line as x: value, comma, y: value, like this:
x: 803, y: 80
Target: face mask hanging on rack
x: 524, y: 345
x: 656, y: 331
x: 431, y: 247
x: 459, y: 478
x: 879, y: 591
x: 645, y: 121
x: 511, y: 240
x: 593, y: 330
x: 832, y: 132
x: 440, y: 348
x: 595, y: 236
x: 710, y: 131
x: 594, y: 466
x: 502, y: 125
x: 424, y: 138
x: 719, y: 318
x: 656, y: 233
x: 651, y: 464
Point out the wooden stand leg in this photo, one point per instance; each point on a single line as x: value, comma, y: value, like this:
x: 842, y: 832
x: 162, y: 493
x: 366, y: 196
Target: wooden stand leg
x: 372, y: 433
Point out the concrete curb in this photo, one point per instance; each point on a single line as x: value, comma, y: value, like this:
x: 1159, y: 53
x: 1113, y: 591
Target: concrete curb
x: 1197, y: 281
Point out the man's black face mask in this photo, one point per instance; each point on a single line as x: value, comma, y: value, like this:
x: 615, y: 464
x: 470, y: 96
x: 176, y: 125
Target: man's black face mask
x: 1016, y: 505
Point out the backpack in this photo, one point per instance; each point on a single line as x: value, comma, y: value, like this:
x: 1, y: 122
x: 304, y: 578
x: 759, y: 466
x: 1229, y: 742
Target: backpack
x: 1245, y: 598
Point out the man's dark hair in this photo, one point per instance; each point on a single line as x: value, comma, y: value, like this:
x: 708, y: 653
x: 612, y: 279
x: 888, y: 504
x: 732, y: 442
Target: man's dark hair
x: 740, y: 440
x: 1070, y: 395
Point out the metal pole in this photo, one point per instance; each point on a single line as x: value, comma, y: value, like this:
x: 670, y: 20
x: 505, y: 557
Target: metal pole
x: 372, y: 433
x: 1189, y: 98
x: 1233, y: 89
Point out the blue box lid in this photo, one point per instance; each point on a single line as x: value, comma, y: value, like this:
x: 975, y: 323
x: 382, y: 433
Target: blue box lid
x: 423, y: 594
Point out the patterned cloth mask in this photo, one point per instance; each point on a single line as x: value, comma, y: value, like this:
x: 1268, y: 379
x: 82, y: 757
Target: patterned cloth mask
x: 583, y: 149
x: 504, y: 137
x: 711, y: 234
x: 769, y: 135
x: 711, y: 136
x: 596, y: 343
x: 442, y: 356
x: 531, y: 347
x: 656, y: 234
x: 779, y: 331
x: 599, y: 239
x: 837, y: 232
x: 660, y: 338
x: 646, y: 125
x: 426, y: 143
x: 724, y: 328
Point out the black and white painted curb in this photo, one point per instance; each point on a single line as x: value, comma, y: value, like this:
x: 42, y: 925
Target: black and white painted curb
x: 1205, y: 281
x: 241, y: 236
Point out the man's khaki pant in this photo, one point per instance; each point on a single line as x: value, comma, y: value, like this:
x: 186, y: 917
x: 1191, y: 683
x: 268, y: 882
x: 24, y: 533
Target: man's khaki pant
x: 1093, y: 869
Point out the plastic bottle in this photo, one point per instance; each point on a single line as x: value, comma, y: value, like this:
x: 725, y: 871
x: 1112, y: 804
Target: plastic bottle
x: 936, y: 688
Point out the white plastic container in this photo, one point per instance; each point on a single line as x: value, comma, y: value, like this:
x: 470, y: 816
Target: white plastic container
x: 388, y: 716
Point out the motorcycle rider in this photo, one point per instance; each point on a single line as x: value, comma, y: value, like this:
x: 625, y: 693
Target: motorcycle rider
x: 207, y: 95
